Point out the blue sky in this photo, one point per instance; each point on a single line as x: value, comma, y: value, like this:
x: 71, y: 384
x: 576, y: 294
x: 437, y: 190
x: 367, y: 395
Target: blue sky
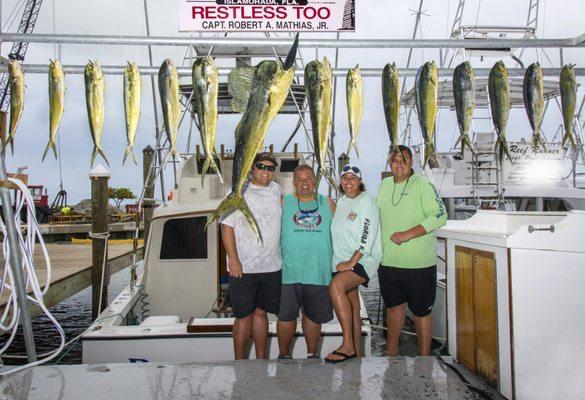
x: 375, y: 19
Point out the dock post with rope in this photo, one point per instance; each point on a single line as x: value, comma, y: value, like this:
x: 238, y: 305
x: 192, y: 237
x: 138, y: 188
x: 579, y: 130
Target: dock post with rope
x: 99, y: 234
x: 148, y: 202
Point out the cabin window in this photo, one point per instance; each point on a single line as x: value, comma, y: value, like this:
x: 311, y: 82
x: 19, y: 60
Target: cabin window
x: 184, y: 239
x: 288, y: 165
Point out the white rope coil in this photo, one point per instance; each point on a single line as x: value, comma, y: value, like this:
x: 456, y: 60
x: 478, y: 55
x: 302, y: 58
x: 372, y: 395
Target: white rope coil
x: 26, y: 244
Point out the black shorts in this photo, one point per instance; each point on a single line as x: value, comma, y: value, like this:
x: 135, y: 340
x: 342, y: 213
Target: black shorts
x: 415, y: 286
x: 260, y: 290
x: 360, y: 271
x: 313, y: 300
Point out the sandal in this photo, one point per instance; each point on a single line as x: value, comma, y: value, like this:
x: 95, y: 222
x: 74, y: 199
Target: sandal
x: 338, y: 353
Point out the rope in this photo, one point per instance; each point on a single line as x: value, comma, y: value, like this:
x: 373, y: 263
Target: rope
x: 366, y: 322
x: 26, y: 245
x: 103, y: 236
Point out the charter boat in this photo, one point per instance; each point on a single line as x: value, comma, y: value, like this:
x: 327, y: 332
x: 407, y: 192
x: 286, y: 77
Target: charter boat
x: 178, y: 309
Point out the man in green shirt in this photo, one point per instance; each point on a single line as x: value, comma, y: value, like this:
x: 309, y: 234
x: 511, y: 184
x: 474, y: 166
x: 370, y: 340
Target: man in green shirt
x: 410, y: 210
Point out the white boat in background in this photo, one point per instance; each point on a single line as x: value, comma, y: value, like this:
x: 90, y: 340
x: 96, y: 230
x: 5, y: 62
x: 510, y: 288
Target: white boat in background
x: 179, y: 309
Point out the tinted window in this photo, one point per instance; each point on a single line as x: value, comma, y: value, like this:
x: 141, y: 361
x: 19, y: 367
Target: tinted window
x: 288, y: 165
x: 184, y: 238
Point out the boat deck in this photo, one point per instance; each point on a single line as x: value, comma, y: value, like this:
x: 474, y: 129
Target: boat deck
x: 71, y: 268
x: 367, y: 378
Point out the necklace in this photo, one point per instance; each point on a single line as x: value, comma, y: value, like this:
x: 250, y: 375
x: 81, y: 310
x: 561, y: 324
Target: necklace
x: 307, y: 211
x: 401, y: 195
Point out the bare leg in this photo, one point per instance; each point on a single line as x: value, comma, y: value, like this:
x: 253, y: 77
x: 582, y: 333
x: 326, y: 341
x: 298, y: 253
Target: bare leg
x: 285, y: 330
x: 424, y: 333
x: 354, y: 299
x: 242, y: 331
x: 339, y: 287
x: 312, y: 332
x: 395, y: 321
x: 260, y: 332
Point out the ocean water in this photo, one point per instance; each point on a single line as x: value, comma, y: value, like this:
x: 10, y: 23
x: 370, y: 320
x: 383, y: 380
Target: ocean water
x: 74, y: 315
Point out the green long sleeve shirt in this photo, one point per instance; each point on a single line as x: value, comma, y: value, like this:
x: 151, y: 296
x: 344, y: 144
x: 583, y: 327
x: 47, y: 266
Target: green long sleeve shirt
x: 402, y: 207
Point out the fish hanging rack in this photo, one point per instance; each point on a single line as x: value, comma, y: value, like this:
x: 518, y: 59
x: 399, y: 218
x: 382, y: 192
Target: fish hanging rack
x: 561, y: 43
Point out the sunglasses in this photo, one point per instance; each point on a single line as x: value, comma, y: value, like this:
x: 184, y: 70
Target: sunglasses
x: 264, y: 167
x: 348, y: 168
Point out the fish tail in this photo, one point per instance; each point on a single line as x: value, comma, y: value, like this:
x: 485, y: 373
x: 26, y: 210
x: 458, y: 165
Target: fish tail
x: 502, y: 147
x: 569, y: 136
x: 323, y: 172
x: 537, y: 140
x: 50, y: 145
x: 353, y: 144
x: 463, y: 139
x: 235, y: 201
x: 96, y: 151
x: 204, y: 170
x: 210, y: 163
x: 431, y: 156
x: 467, y: 142
x: 129, y: 152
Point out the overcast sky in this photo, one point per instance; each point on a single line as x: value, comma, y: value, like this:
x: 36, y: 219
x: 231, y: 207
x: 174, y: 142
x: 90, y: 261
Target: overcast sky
x: 375, y: 19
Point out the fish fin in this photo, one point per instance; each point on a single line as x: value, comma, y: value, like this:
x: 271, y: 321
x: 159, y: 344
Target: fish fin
x: 467, y: 142
x: 569, y: 136
x: 502, y: 149
x: 538, y: 140
x: 50, y: 145
x: 322, y: 172
x: 463, y: 139
x: 239, y: 87
x: 353, y: 143
x: 99, y: 151
x: 292, y: 54
x: 210, y: 163
x: 129, y: 152
x: 431, y: 156
x: 235, y: 201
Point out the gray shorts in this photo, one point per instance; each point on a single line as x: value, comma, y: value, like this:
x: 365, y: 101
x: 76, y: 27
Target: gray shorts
x: 313, y: 300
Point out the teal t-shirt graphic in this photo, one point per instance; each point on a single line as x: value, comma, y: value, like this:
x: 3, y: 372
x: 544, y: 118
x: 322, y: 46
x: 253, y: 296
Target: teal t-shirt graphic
x: 305, y: 241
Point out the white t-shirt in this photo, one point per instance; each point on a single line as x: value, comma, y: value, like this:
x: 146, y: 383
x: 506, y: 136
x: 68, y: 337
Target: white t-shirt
x: 255, y: 256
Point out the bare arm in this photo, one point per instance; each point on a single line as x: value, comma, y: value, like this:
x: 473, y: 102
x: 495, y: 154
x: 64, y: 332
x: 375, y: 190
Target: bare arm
x: 352, y: 262
x: 405, y: 236
x: 229, y: 242
x: 332, y: 205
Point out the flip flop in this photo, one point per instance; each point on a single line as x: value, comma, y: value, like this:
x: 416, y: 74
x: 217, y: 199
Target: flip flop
x: 338, y: 353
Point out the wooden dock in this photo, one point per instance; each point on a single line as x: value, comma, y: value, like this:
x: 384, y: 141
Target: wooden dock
x: 60, y: 232
x: 71, y: 269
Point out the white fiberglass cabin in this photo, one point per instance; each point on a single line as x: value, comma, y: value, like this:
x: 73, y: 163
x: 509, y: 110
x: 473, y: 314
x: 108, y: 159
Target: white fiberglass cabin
x: 179, y: 309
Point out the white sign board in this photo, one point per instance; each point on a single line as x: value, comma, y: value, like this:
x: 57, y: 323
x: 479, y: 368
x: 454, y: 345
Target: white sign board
x: 266, y: 15
x: 529, y: 167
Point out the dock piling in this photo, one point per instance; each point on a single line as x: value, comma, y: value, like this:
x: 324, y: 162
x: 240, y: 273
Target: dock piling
x: 147, y: 203
x: 100, y: 277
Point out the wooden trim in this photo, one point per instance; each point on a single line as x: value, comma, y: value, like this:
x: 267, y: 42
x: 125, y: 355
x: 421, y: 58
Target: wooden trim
x: 511, y: 313
x: 208, y: 328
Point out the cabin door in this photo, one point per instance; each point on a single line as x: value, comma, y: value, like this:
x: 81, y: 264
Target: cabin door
x: 477, y: 328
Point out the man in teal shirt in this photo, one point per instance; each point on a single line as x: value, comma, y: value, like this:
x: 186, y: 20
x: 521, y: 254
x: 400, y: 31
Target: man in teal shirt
x: 306, y: 263
x: 410, y: 210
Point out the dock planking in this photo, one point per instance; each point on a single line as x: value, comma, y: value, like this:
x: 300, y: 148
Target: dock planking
x: 71, y: 269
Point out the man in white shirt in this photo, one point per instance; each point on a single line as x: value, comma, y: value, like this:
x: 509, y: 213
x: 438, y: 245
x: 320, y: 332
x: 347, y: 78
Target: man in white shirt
x: 255, y: 267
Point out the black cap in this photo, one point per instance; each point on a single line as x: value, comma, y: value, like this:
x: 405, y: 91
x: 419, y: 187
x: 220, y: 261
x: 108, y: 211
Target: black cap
x: 265, y: 156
